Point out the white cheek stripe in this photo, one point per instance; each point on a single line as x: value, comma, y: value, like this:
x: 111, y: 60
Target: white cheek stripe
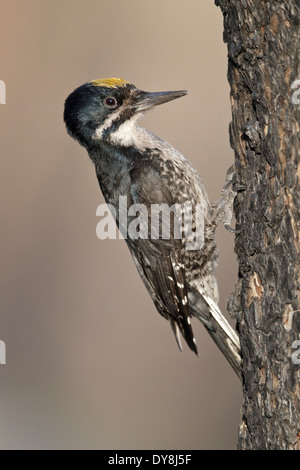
x: 99, y: 131
x: 127, y: 134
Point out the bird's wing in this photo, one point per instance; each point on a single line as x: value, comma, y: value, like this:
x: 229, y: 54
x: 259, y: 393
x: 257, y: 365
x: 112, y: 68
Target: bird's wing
x: 159, y: 261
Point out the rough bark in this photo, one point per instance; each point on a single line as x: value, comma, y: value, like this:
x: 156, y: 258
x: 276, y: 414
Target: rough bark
x: 263, y: 65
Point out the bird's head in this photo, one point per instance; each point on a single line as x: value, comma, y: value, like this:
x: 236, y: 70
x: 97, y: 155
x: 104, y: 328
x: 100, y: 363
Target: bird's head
x: 97, y: 109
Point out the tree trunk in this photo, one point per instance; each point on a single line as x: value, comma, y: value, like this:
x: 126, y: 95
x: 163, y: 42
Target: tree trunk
x: 263, y: 71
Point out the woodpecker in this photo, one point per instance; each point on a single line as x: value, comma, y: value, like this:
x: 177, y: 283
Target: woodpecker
x: 130, y: 161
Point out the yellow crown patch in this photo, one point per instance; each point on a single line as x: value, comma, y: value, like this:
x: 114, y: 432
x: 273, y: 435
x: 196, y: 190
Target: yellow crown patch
x: 109, y: 82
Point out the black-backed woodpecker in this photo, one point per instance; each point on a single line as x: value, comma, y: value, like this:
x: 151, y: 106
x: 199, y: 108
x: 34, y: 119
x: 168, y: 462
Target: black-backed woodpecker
x: 131, y: 161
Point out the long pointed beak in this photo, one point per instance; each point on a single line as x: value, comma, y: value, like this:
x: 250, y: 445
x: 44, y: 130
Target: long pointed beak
x: 145, y: 101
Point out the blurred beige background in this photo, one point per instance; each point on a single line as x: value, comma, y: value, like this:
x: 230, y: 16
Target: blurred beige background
x: 90, y: 363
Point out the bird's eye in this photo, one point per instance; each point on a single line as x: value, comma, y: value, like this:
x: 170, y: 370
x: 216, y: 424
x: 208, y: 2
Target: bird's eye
x: 110, y: 102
